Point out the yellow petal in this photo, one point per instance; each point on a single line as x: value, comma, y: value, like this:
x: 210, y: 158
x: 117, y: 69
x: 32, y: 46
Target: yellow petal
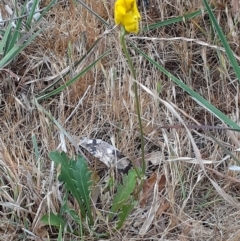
x: 127, y: 14
x: 119, y: 14
x: 127, y: 4
x: 131, y: 23
x: 135, y: 10
x: 119, y: 9
x: 131, y: 28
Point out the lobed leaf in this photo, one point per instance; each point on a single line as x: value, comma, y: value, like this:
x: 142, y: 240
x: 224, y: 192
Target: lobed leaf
x: 125, y: 211
x: 53, y: 220
x: 77, y: 180
x: 123, y: 192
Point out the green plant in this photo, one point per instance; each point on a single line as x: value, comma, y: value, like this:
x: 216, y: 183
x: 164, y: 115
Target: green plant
x: 123, y: 200
x: 127, y: 15
x: 16, y: 39
x: 77, y: 180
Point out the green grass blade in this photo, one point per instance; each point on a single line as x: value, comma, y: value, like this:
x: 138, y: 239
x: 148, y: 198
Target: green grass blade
x: 35, y: 147
x: 91, y: 11
x: 31, y: 13
x: 16, y: 33
x: 6, y: 36
x: 70, y: 82
x: 13, y: 42
x: 68, y: 71
x: 60, y: 234
x: 15, y: 36
x: 46, y: 10
x: 17, y: 30
x: 7, y: 43
x: 172, y: 21
x: 17, y: 48
x: 198, y: 98
x: 223, y: 39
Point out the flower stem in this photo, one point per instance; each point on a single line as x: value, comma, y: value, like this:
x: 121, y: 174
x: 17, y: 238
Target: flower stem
x: 122, y: 39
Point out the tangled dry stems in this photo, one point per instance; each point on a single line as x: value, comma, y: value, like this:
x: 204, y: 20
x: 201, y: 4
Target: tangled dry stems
x: 194, y: 208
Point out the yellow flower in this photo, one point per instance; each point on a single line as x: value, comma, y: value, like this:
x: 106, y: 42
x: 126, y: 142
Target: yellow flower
x: 126, y: 13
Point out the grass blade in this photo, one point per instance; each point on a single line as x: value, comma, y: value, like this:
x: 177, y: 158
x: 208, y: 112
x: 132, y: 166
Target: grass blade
x: 32, y: 12
x: 18, y: 47
x: 6, y: 36
x: 91, y: 11
x: 46, y: 10
x: 70, y: 82
x: 75, y: 65
x: 223, y: 39
x: 198, y: 98
x: 171, y: 21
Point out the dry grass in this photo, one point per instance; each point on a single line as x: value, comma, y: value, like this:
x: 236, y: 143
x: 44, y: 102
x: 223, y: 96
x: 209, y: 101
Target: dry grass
x: 189, y: 207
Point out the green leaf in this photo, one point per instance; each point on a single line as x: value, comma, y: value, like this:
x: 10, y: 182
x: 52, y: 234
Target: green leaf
x: 125, y: 211
x: 172, y: 21
x: 223, y: 39
x: 77, y: 180
x: 53, y: 220
x: 123, y: 192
